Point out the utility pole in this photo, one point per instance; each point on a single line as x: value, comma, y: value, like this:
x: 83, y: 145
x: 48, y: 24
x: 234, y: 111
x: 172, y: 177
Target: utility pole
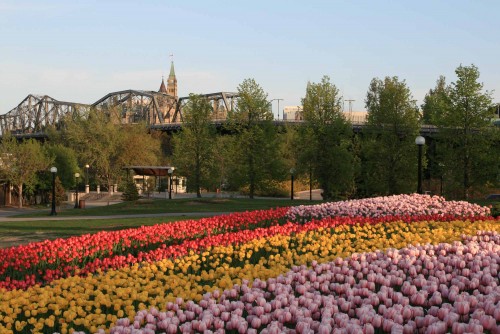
x: 350, y: 109
x: 350, y: 105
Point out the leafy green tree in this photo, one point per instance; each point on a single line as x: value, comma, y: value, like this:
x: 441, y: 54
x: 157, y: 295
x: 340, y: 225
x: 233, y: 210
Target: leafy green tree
x: 137, y: 146
x: 389, y: 153
x: 20, y: 162
x: 96, y: 142
x: 194, y: 145
x: 256, y: 154
x: 436, y: 101
x: 325, y: 140
x: 466, y: 135
x: 108, y: 146
x: 66, y: 162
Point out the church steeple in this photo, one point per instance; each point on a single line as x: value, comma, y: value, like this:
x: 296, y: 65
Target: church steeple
x: 172, y: 81
x: 162, y: 89
x: 172, y: 72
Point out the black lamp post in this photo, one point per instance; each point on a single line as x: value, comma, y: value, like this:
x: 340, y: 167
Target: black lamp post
x: 292, y: 171
x: 310, y: 184
x: 170, y: 172
x: 441, y: 170
x: 53, y: 170
x: 87, y: 186
x: 420, y: 141
x: 77, y: 175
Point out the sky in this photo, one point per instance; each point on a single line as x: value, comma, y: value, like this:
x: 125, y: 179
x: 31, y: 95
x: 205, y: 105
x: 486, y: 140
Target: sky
x: 79, y: 51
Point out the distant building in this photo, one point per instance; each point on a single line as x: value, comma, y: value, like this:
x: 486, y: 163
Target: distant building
x: 293, y: 113
x: 356, y: 116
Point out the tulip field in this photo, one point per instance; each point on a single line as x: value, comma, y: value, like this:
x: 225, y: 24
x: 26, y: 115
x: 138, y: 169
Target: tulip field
x: 398, y: 264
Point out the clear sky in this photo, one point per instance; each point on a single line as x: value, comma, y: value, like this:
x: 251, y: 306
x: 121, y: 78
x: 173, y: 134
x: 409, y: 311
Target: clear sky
x: 79, y: 51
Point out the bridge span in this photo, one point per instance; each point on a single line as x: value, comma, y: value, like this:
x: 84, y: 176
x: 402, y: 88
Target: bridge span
x: 160, y: 111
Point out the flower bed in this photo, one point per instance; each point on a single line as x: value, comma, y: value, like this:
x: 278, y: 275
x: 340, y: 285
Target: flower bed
x: 137, y: 274
x: 42, y: 262
x: 397, y: 205
x: 97, y: 301
x: 431, y: 289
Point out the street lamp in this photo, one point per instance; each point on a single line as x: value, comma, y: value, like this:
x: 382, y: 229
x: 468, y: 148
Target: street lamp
x: 53, y: 170
x: 292, y: 171
x: 278, y: 106
x: 87, y: 186
x: 170, y: 172
x: 77, y: 175
x: 420, y: 141
x: 441, y: 172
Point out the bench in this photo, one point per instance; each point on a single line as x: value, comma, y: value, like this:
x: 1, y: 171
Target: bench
x: 493, y: 196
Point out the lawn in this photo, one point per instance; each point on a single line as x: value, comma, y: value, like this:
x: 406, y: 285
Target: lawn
x: 177, y: 206
x: 21, y: 232
x: 14, y: 233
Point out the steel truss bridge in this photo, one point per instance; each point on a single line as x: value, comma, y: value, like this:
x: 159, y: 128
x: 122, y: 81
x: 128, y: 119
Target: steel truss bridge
x: 35, y: 114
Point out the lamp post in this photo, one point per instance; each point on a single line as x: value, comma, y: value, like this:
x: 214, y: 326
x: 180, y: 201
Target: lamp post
x: 53, y: 170
x: 87, y: 186
x: 310, y: 183
x: 292, y: 171
x: 441, y: 170
x: 278, y: 106
x: 77, y: 175
x: 420, y: 141
x: 170, y: 172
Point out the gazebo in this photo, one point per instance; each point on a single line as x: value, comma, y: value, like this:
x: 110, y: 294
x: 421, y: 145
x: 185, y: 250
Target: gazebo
x: 154, y: 171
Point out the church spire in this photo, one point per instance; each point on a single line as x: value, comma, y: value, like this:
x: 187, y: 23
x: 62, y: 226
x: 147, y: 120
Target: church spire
x: 162, y: 89
x: 172, y: 80
x: 172, y: 72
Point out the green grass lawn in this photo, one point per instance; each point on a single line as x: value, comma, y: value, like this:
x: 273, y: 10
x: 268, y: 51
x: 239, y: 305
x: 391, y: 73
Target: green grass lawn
x: 21, y: 232
x: 176, y: 206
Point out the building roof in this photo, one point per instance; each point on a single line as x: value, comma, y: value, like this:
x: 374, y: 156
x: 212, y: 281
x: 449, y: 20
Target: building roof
x: 149, y: 170
x: 162, y: 89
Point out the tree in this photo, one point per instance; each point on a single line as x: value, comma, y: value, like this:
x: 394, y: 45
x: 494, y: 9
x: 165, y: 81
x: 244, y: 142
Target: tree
x: 60, y: 193
x: 130, y: 192
x: 96, y: 142
x: 194, y: 145
x: 436, y: 102
x: 66, y: 162
x: 256, y: 155
x: 137, y: 146
x: 388, y: 148
x: 466, y: 134
x: 108, y: 146
x: 20, y: 161
x: 325, y: 140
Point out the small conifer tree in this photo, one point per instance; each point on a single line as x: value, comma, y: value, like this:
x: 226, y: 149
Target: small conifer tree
x: 130, y: 192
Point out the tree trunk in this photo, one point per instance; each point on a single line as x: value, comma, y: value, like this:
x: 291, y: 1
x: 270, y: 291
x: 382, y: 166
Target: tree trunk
x: 198, y: 176
x: 251, y: 176
x: 20, y: 197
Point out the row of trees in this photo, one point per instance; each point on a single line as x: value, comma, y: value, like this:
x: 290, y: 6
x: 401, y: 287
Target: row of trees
x: 251, y: 154
x: 382, y: 160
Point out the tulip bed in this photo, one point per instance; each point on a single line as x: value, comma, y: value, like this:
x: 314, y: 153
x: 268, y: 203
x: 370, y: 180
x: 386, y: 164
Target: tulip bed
x: 261, y: 272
